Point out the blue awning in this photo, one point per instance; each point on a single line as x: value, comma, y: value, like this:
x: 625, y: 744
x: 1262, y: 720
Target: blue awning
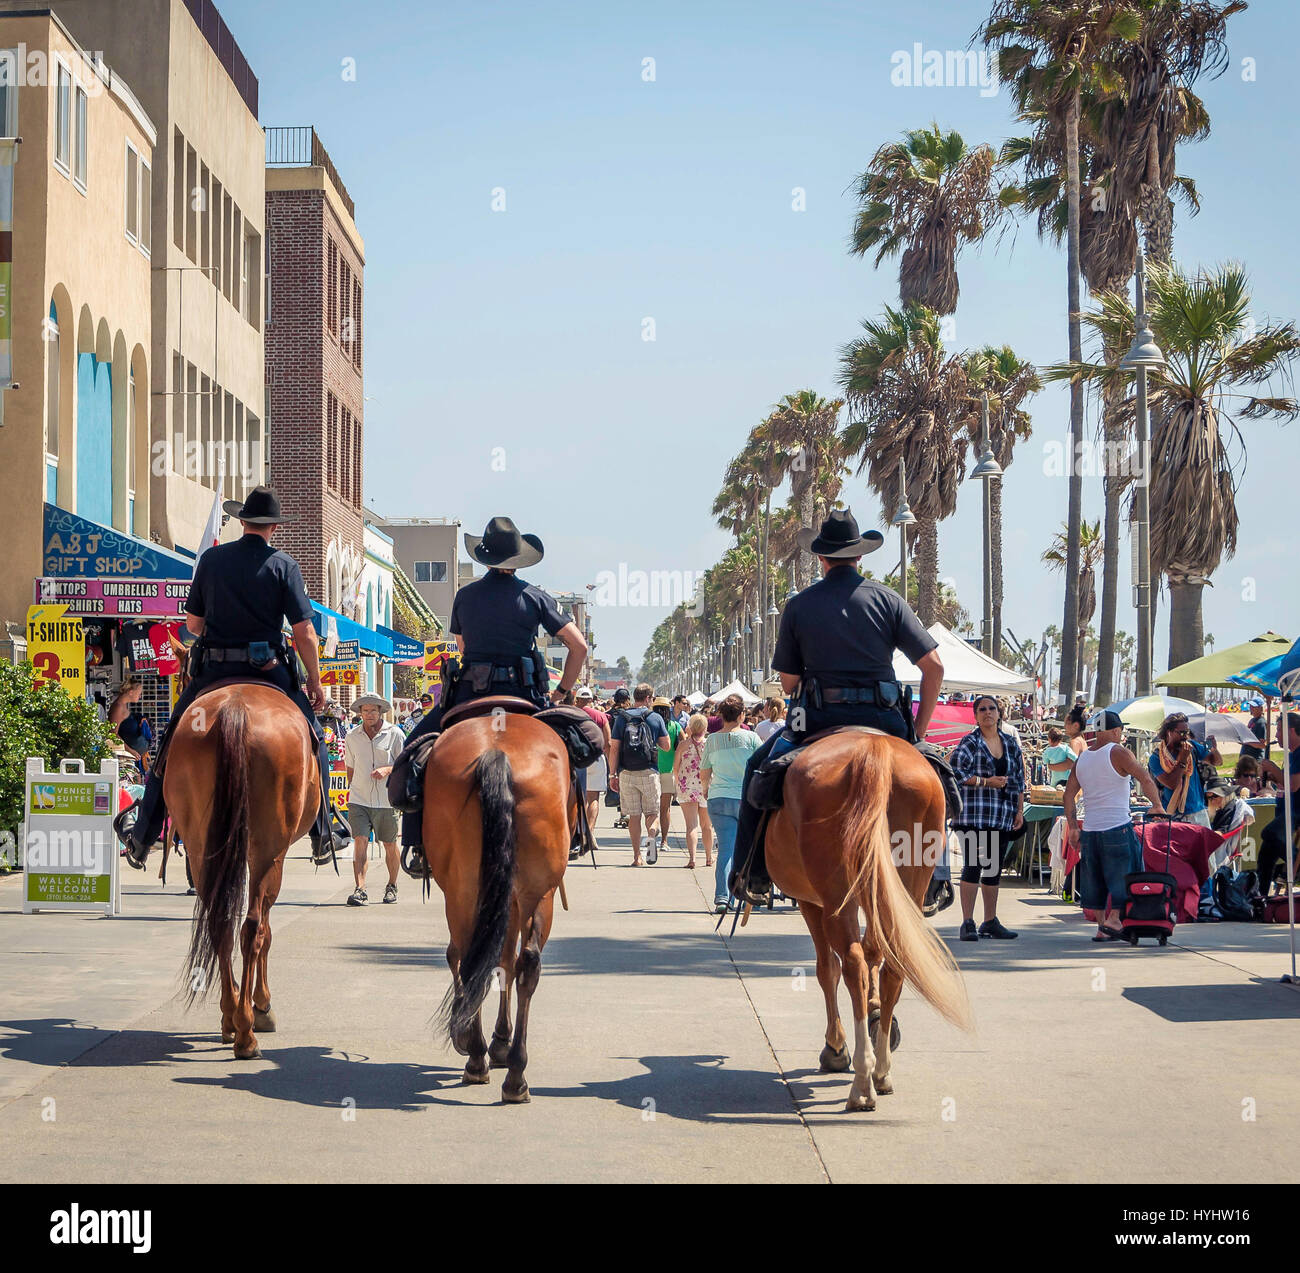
x: 404, y: 647
x: 370, y: 641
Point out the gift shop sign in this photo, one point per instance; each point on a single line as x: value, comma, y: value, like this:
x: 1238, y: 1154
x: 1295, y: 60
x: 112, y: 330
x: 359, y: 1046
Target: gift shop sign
x: 117, y: 599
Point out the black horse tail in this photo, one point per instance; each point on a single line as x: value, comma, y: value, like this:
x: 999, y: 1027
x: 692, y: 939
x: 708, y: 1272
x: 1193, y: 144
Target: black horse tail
x: 480, y: 960
x: 220, y: 900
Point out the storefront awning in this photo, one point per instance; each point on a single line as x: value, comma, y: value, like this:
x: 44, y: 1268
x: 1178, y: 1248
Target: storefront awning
x: 404, y: 647
x: 370, y: 642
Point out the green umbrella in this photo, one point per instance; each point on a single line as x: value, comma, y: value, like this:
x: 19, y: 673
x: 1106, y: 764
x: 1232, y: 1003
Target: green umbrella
x: 1215, y: 669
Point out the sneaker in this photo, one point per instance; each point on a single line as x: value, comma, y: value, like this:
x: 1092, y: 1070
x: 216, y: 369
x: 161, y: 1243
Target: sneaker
x: 390, y: 893
x: 358, y: 897
x: 967, y: 931
x: 652, y: 853
x: 993, y: 928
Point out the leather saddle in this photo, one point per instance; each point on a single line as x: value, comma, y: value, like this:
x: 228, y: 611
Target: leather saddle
x: 486, y: 706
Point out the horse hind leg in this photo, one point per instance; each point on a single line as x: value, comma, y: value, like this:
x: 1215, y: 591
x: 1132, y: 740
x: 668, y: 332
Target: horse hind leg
x: 499, y: 1048
x: 834, y: 1058
x: 528, y: 972
x: 891, y: 986
x: 847, y: 940
x: 263, y: 1017
x: 252, y: 938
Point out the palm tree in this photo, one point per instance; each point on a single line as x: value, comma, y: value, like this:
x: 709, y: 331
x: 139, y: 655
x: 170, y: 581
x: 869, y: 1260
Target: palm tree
x: 1208, y: 641
x: 1212, y: 352
x: 1008, y: 381
x: 802, y: 431
x: 913, y: 404
x: 1057, y: 557
x: 1051, y: 52
x: 925, y: 197
x: 1125, y: 649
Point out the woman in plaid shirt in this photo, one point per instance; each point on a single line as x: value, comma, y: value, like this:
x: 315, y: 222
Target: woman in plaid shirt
x: 991, y: 770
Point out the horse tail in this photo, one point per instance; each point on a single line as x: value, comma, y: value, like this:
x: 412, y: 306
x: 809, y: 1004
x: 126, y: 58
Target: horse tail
x: 482, y: 957
x: 220, y: 901
x: 895, y: 925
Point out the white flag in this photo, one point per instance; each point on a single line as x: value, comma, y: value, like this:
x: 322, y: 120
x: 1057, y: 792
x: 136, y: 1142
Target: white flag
x: 212, y: 529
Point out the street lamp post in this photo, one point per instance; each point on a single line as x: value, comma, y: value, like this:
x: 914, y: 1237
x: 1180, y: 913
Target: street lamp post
x: 903, y: 519
x: 1144, y: 355
x: 987, y: 470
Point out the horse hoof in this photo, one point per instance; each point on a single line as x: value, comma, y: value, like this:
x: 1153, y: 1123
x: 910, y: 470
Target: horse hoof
x: 884, y: 1087
x: 499, y: 1053
x: 472, y: 1077
x: 254, y: 1055
x: 227, y: 1036
x: 835, y: 1062
x: 860, y: 1104
x: 895, y: 1034
x: 264, y: 1021
x: 515, y: 1095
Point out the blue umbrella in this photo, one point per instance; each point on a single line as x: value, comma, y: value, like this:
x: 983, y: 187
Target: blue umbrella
x: 1268, y: 676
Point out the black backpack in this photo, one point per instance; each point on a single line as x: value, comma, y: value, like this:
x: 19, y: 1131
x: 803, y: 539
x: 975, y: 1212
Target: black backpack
x: 1232, y: 895
x: 638, y: 743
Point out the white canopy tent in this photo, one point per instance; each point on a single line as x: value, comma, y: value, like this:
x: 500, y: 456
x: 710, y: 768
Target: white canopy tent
x: 698, y: 699
x: 748, y: 697
x: 964, y: 668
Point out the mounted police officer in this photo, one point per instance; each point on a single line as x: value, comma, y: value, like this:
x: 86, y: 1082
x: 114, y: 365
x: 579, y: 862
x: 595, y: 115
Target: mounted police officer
x: 241, y: 594
x: 494, y: 620
x: 835, y: 656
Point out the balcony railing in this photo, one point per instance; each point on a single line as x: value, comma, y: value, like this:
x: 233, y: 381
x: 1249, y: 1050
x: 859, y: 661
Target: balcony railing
x: 299, y: 147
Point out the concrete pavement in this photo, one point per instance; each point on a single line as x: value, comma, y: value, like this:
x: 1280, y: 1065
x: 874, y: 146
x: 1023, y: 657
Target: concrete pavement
x: 659, y: 1051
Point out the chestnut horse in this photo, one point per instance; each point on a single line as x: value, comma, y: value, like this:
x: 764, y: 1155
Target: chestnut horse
x: 242, y: 784
x: 498, y: 816
x: 850, y: 799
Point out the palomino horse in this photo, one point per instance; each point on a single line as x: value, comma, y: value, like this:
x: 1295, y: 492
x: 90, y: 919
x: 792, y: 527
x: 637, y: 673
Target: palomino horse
x: 498, y: 815
x: 242, y: 784
x: 847, y: 799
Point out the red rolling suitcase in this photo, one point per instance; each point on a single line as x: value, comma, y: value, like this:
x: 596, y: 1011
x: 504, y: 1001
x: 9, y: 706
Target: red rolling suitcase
x: 1149, y: 906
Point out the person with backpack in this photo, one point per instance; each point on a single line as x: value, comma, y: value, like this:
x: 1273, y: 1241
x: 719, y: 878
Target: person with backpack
x: 667, y: 778
x: 637, y: 736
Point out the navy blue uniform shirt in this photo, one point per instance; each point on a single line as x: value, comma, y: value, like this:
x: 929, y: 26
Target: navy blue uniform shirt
x: 245, y: 590
x: 499, y: 615
x: 845, y: 628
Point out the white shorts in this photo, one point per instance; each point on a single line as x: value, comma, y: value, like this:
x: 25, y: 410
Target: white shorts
x: 597, y: 777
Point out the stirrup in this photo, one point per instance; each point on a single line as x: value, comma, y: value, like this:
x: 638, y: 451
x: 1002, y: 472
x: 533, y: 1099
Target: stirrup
x: 414, y: 862
x: 755, y: 894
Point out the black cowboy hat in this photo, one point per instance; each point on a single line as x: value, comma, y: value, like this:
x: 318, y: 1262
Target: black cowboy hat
x: 501, y: 545
x: 261, y: 508
x: 839, y: 537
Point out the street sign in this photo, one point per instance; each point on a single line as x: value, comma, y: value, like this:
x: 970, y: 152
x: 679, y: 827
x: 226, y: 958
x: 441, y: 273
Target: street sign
x: 70, y: 860
x: 56, y: 646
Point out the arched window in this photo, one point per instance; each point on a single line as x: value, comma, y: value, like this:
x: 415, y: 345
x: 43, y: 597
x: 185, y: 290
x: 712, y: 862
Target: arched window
x: 130, y: 453
x: 52, y: 367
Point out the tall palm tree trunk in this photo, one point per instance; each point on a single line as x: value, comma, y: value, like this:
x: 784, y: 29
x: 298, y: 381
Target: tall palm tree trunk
x: 805, y: 501
x: 995, y: 517
x: 927, y: 570
x: 1186, y: 632
x: 1112, y: 396
x: 1070, y: 623
x: 766, y: 639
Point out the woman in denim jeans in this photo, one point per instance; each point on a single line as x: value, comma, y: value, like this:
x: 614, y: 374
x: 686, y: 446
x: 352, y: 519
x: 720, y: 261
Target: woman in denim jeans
x: 722, y: 774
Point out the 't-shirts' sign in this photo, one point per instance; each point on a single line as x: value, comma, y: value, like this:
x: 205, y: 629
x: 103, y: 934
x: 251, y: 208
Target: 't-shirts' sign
x: 56, y: 647
x: 117, y: 598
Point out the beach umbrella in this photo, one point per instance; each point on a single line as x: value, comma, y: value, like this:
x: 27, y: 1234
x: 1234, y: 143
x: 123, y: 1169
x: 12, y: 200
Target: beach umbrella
x: 1149, y: 711
x: 1220, y: 728
x: 1217, y: 670
x: 1279, y: 677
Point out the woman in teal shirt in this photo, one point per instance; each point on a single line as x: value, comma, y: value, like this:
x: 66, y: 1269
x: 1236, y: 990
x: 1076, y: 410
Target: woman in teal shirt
x: 722, y: 773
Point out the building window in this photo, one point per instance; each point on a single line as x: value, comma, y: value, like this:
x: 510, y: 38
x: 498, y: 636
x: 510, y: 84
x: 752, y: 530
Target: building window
x: 63, y: 118
x: 332, y: 300
x: 132, y: 194
x: 52, y: 369
x: 332, y: 442
x: 10, y: 77
x: 356, y: 324
x: 80, y: 141
x: 179, y: 201
x: 130, y: 455
x: 356, y: 463
x: 430, y: 572
x: 267, y: 303
x: 251, y: 289
x: 146, y: 209
x: 345, y: 305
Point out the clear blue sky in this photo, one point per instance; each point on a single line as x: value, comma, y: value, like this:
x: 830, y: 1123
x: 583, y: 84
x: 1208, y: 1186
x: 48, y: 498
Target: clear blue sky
x: 522, y: 329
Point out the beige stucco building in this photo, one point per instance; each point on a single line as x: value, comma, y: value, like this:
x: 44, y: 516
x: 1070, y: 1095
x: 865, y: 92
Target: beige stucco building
x: 207, y: 195
x: 76, y: 425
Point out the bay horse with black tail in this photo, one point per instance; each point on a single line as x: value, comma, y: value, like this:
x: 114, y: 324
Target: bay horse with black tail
x: 498, y: 817
x: 862, y: 826
x: 242, y: 784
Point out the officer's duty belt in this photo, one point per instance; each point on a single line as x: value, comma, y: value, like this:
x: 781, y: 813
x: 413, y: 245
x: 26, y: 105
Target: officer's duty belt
x: 857, y: 695
x: 232, y: 654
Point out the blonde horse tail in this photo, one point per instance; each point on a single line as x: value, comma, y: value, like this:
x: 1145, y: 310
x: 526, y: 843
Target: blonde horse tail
x: 895, y: 925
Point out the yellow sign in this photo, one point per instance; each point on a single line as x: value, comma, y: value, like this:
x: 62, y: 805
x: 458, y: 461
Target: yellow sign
x: 436, y: 654
x: 56, y: 646
x: 340, y: 673
x: 339, y: 790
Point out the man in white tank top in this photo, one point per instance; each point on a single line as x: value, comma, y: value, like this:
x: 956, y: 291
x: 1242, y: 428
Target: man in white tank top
x: 1108, y: 846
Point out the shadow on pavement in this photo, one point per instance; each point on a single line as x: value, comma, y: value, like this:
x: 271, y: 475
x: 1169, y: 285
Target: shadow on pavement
x: 1261, y: 1001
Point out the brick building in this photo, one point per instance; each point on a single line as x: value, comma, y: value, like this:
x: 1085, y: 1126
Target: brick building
x: 314, y: 365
